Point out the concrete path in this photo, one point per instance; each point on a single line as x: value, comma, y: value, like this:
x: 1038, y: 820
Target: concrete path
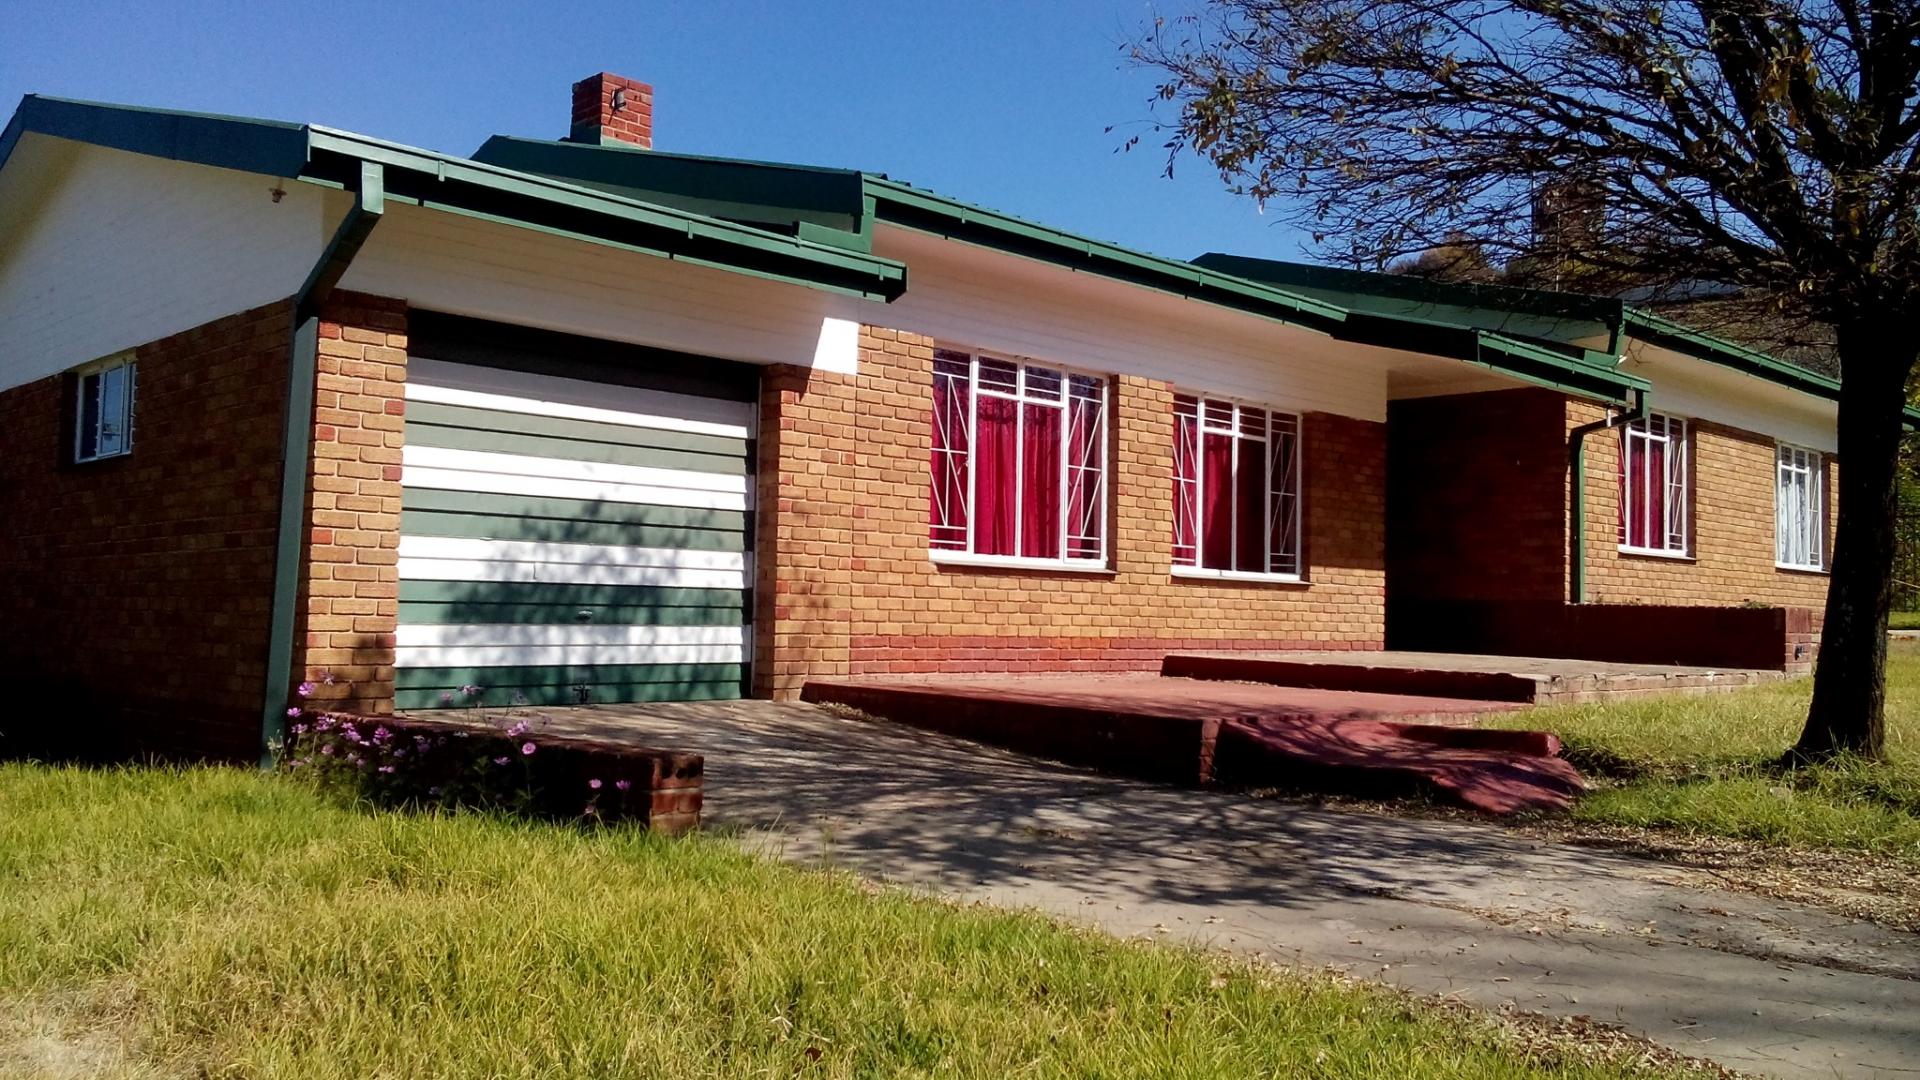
x: 1437, y: 907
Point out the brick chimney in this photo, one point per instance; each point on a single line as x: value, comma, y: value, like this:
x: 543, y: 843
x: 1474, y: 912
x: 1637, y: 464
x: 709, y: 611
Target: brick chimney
x: 609, y: 108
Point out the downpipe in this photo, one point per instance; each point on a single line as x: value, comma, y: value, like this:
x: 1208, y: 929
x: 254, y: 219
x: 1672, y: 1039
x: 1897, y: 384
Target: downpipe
x: 1577, y: 492
x: 369, y: 203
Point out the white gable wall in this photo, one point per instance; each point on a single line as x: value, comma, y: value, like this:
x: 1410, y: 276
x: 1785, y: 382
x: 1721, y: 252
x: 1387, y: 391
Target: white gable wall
x: 126, y: 249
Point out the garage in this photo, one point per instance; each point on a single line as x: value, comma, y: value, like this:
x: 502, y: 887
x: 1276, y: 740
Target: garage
x: 577, y: 521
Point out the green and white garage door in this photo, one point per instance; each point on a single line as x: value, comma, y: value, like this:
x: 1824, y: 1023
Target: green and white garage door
x: 568, y: 541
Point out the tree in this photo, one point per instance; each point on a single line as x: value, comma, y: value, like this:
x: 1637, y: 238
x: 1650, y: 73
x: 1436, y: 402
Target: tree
x: 1771, y: 146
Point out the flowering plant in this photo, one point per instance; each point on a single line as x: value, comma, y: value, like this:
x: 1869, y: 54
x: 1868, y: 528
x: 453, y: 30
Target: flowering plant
x: 489, y: 761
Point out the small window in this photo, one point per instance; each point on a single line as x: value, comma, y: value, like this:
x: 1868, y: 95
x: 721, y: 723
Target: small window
x: 1653, y: 486
x: 1236, y: 488
x: 1019, y: 461
x: 103, y: 420
x: 1799, y: 509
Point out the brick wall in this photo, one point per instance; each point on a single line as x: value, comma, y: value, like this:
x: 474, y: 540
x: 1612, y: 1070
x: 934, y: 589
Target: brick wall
x: 136, y: 589
x: 1476, y: 506
x: 846, y: 586
x: 1731, y: 560
x: 348, y: 609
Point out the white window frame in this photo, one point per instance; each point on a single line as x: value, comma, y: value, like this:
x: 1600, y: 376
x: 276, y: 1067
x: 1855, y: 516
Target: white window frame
x: 1296, y: 484
x: 1676, y: 482
x: 121, y: 418
x: 1099, y: 563
x: 1810, y: 467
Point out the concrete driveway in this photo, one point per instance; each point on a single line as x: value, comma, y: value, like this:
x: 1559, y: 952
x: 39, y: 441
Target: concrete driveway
x: 1468, y: 910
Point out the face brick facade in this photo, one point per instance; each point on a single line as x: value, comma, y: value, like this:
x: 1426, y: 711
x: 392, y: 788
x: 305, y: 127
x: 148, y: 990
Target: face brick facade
x: 349, y: 601
x: 136, y: 589
x: 845, y: 546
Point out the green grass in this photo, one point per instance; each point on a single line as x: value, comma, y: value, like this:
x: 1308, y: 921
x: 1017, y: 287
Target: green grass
x: 1703, y: 765
x: 224, y: 923
x: 1904, y: 620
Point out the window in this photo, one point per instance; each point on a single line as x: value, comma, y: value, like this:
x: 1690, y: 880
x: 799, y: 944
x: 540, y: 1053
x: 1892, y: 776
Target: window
x: 103, y: 421
x: 1019, y: 461
x: 1799, y: 510
x: 1236, y: 488
x: 1653, y: 486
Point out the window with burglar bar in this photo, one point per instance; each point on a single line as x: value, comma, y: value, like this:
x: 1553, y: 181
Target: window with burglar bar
x: 1019, y: 460
x: 1653, y: 485
x: 1800, y: 521
x: 1236, y: 487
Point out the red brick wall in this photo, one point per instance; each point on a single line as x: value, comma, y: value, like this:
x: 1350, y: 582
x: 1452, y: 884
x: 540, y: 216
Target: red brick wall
x: 1476, y: 508
x: 136, y: 590
x: 349, y: 601
x: 846, y: 585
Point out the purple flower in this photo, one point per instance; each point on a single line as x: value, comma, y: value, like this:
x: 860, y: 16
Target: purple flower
x: 399, y: 753
x: 327, y: 677
x: 327, y: 749
x: 295, y: 711
x: 623, y: 784
x: 501, y: 760
x: 526, y: 749
x: 299, y: 729
x: 381, y: 734
x: 518, y: 729
x: 446, y: 698
x: 433, y: 791
x: 325, y: 723
x: 386, y: 768
x: 305, y: 689
x: 594, y: 784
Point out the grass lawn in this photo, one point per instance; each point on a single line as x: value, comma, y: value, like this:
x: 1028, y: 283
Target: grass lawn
x: 223, y: 923
x: 1700, y: 765
x: 1903, y: 620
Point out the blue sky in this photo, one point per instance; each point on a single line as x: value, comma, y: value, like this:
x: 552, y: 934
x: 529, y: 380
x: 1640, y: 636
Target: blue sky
x: 998, y: 103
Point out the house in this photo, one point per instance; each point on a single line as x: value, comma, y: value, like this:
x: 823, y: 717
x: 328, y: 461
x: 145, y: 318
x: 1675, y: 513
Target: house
x: 585, y: 421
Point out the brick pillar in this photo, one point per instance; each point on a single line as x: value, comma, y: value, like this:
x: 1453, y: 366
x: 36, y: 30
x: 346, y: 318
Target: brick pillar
x: 1140, y: 493
x: 804, y: 528
x: 349, y: 602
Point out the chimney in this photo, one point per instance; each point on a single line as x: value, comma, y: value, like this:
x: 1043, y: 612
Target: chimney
x: 609, y: 108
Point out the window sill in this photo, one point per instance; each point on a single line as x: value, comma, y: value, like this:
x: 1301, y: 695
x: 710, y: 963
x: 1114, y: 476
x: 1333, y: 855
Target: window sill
x: 1656, y: 553
x: 1792, y: 569
x: 1016, y: 562
x: 1202, y: 574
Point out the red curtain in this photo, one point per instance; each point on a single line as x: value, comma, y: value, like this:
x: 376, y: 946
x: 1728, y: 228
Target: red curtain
x: 1040, y: 509
x: 1216, y: 501
x: 1250, y: 498
x: 1085, y: 468
x: 1655, y: 479
x: 994, y: 461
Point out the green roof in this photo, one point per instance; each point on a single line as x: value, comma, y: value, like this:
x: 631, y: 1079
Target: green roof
x: 1538, y: 314
x: 330, y: 157
x: 810, y: 201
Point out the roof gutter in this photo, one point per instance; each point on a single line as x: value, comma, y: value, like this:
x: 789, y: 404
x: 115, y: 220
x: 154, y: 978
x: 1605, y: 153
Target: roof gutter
x: 369, y: 204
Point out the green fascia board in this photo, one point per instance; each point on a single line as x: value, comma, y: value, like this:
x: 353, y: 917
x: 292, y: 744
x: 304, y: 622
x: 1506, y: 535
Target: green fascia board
x: 740, y: 190
x: 1564, y: 368
x: 1533, y: 313
x: 269, y: 147
x: 545, y: 204
x: 910, y: 207
x: 332, y: 158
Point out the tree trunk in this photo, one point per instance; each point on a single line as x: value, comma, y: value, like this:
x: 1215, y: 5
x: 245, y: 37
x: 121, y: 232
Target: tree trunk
x: 1850, y: 677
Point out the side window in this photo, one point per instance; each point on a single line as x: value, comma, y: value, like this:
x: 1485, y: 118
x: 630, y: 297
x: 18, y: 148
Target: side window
x: 103, y: 408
